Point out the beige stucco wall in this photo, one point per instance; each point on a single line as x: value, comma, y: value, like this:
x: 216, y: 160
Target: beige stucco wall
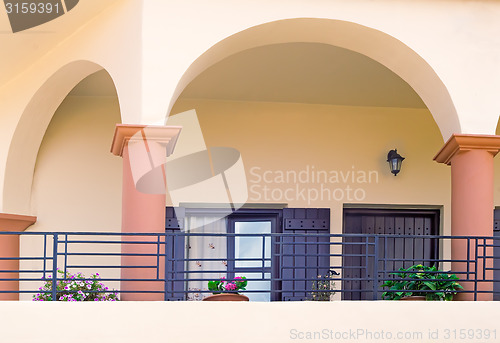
x: 449, y: 26
x: 148, y: 56
x: 179, y: 322
x: 29, y: 99
x: 278, y: 138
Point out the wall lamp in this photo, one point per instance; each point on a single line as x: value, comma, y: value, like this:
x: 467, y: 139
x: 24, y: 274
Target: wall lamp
x: 395, y: 160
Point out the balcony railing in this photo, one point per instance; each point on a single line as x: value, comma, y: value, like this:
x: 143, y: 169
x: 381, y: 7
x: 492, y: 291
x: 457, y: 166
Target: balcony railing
x: 278, y: 267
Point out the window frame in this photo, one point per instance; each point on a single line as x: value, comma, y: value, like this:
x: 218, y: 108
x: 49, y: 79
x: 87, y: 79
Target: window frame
x: 256, y: 215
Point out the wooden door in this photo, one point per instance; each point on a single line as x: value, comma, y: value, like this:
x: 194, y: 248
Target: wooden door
x: 359, y: 251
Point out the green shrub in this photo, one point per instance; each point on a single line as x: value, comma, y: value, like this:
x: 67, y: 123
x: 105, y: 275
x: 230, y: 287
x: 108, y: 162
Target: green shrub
x: 420, y: 280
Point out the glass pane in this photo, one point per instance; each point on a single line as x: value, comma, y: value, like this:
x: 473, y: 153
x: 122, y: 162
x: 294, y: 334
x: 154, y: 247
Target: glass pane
x: 252, y: 247
x: 264, y: 286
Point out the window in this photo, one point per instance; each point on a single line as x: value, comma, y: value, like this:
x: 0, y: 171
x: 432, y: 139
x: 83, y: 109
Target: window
x: 245, y: 243
x: 250, y: 250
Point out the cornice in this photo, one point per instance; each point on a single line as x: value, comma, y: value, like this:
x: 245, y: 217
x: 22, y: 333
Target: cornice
x: 15, y: 222
x: 125, y: 132
x: 462, y: 142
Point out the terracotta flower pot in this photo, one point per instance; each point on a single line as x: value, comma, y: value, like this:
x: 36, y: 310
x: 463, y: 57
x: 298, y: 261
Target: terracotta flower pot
x: 226, y: 297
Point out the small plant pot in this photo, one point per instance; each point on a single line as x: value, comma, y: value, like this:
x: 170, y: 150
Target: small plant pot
x: 414, y: 298
x: 226, y: 297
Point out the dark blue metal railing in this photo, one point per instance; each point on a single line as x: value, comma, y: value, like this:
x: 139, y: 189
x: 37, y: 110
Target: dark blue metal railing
x: 298, y: 267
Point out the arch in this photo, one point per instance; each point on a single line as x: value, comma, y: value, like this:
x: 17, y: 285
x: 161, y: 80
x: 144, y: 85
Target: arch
x: 31, y: 129
x: 377, y: 45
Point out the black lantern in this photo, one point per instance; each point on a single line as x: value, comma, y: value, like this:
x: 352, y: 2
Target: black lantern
x: 395, y: 160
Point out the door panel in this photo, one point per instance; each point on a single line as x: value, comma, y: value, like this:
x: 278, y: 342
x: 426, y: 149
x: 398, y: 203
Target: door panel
x: 305, y: 250
x: 360, y: 255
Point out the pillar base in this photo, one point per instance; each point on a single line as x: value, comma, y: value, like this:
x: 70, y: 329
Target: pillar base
x: 9, y: 248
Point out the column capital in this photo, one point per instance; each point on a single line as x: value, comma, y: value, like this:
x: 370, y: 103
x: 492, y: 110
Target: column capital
x: 15, y: 222
x: 463, y: 142
x: 124, y: 133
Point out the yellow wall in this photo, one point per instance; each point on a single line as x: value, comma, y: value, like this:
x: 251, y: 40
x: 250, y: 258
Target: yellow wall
x: 77, y: 181
x: 282, y: 137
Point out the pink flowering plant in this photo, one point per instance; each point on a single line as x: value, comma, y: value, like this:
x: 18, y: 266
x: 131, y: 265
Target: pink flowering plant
x: 228, y: 286
x: 76, y: 287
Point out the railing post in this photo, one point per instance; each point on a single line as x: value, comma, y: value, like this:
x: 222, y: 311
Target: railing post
x: 54, y: 267
x: 44, y: 255
x: 375, y: 268
x: 158, y: 257
x: 476, y: 267
x: 277, y: 286
x: 65, y: 254
x: 168, y: 241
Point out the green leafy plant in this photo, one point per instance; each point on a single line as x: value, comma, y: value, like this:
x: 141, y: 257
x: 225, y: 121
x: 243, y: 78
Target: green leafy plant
x: 223, y: 286
x: 75, y: 287
x: 322, y: 288
x: 420, y: 280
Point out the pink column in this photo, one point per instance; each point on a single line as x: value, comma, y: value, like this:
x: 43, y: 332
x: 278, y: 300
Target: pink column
x: 9, y: 248
x: 144, y: 150
x: 471, y: 160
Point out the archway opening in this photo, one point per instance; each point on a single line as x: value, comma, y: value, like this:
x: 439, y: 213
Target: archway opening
x: 314, y: 124
x: 30, y: 130
x: 325, y: 113
x: 74, y: 170
x: 76, y: 183
x: 377, y: 45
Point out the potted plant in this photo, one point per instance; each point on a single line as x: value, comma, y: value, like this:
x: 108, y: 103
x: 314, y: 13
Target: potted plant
x: 224, y: 290
x: 75, y: 287
x: 427, y: 283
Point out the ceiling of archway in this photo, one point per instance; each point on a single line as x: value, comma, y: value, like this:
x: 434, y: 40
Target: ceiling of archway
x: 303, y: 73
x: 96, y: 84
x: 293, y: 72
